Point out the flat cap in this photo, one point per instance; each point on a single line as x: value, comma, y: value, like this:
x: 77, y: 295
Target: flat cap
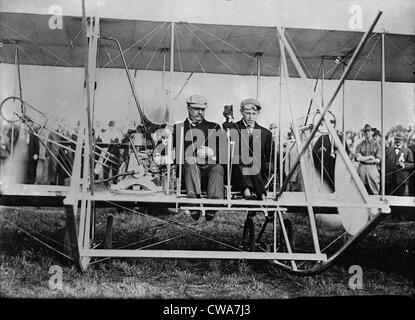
x: 273, y: 126
x: 255, y: 102
x: 376, y: 132
x: 367, y: 127
x: 198, y: 100
x: 399, y: 136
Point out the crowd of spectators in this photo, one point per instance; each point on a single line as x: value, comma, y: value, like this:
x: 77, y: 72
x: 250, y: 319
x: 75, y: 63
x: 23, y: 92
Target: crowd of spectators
x: 48, y: 159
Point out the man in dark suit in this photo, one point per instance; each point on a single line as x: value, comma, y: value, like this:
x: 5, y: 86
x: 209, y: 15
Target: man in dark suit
x: 411, y: 180
x: 398, y: 162
x: 324, y: 154
x: 201, y: 167
x: 251, y: 161
x: 33, y: 156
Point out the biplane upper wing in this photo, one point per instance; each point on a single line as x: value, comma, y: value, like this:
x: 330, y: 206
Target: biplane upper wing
x: 223, y: 49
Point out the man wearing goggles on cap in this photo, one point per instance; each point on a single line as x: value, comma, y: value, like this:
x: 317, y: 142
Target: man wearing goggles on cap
x: 251, y: 161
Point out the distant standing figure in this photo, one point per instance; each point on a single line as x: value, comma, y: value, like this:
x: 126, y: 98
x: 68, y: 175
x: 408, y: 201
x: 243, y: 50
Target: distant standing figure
x: 33, y: 156
x: 399, y: 163
x: 368, y: 154
x: 411, y: 180
x: 42, y: 174
x: 113, y: 136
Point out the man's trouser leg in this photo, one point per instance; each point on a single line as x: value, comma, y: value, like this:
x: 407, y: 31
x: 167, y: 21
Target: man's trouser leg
x: 400, y: 189
x: 216, y: 174
x: 240, y: 181
x: 389, y: 187
x: 411, y: 184
x: 373, y: 179
x: 192, y: 178
x: 361, y: 171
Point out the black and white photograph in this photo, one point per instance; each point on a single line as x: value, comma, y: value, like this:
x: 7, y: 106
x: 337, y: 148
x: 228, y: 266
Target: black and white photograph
x: 214, y: 152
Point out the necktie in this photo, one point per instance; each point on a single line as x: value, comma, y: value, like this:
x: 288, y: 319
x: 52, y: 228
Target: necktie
x: 397, y: 150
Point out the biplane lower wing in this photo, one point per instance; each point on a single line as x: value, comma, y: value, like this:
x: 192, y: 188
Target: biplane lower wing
x: 53, y: 196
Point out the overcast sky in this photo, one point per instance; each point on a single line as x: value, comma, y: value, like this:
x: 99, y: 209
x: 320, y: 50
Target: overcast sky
x: 59, y: 92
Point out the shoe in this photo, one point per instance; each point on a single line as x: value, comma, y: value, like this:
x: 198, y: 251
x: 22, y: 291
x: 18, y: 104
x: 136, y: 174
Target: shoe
x: 251, y: 197
x: 209, y: 215
x: 251, y: 214
x: 195, y: 214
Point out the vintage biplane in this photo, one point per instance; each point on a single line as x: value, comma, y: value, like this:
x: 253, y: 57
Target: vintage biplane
x: 94, y: 42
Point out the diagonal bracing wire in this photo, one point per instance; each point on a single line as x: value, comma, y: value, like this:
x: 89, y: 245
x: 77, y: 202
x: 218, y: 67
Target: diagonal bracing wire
x: 178, y: 51
x: 399, y: 50
x: 69, y: 46
x: 298, y: 54
x: 20, y: 47
x: 35, y: 44
x: 37, y: 239
x: 231, y: 45
x: 27, y: 55
x: 145, y: 44
x: 158, y: 46
x: 177, y: 225
x: 191, y: 51
x: 211, y: 51
x: 135, y: 43
x: 404, y: 181
x: 364, y: 61
x: 342, y: 61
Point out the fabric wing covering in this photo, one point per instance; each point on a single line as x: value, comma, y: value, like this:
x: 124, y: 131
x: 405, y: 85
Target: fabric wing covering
x: 223, y: 49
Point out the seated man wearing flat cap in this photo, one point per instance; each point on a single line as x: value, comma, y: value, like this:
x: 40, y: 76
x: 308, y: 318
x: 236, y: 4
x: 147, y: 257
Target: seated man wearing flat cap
x: 251, y: 160
x: 201, y: 166
x: 398, y: 164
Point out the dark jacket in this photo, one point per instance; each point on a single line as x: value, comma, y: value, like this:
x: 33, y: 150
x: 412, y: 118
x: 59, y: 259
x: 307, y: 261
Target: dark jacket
x: 258, y: 144
x: 205, y: 133
x: 393, y: 169
x: 324, y: 145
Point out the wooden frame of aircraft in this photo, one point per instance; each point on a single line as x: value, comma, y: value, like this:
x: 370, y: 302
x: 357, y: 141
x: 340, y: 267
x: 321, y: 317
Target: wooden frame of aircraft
x: 358, y: 211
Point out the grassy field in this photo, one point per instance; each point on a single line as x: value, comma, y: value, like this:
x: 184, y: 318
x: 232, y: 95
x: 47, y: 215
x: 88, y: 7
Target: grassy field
x: 386, y: 256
